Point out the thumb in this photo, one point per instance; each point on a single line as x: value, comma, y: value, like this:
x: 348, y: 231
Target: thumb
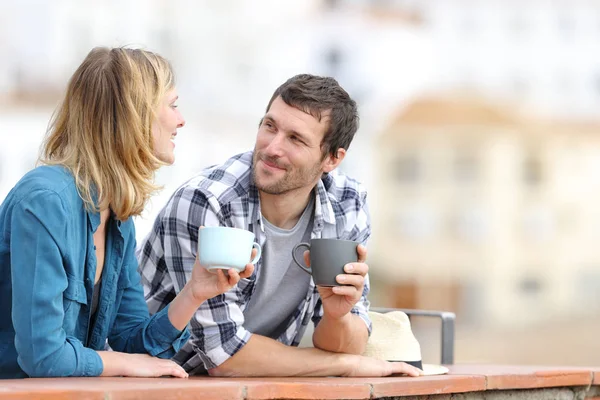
x: 361, y: 251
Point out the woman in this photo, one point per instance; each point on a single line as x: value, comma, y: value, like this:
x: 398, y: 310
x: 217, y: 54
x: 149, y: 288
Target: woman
x: 68, y: 272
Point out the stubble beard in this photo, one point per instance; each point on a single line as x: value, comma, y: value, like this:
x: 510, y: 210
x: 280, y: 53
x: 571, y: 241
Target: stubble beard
x: 291, y: 180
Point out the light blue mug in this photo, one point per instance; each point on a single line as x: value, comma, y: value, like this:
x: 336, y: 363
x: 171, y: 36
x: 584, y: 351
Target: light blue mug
x: 221, y: 247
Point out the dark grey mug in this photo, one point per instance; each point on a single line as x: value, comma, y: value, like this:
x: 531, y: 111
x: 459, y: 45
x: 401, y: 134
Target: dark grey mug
x: 327, y: 259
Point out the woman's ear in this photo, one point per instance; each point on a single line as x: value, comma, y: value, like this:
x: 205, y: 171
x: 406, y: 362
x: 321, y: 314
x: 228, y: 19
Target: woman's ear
x: 331, y: 162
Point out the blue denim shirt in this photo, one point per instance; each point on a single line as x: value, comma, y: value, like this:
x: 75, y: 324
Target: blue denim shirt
x: 47, y: 271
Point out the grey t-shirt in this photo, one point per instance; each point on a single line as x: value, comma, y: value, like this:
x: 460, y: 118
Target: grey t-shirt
x: 281, y: 286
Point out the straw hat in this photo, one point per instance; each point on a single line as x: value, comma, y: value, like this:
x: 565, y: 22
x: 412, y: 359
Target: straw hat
x: 392, y: 340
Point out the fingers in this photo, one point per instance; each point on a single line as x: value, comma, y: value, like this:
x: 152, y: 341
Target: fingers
x: 253, y: 253
x: 349, y: 291
x: 247, y: 272
x: 325, y: 292
x: 404, y: 368
x: 175, y: 370
x: 356, y: 268
x: 306, y: 256
x: 222, y: 278
x: 161, y: 367
x: 234, y: 277
x: 361, y: 251
x: 178, y: 372
x: 353, y: 281
x: 358, y: 281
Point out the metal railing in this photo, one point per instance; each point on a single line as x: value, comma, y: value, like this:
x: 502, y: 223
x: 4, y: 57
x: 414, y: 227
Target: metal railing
x: 447, y: 329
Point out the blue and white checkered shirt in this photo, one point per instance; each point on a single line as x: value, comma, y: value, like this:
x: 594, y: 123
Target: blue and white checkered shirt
x: 226, y: 196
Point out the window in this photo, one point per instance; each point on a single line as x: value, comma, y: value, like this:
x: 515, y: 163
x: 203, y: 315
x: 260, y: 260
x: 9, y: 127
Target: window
x: 466, y: 168
x: 532, y: 171
x: 470, y: 224
x: 417, y: 222
x: 407, y: 168
x: 538, y: 224
x: 530, y: 286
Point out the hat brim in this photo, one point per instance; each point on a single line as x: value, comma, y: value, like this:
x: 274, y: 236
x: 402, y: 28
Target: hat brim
x: 428, y: 369
x: 432, y: 369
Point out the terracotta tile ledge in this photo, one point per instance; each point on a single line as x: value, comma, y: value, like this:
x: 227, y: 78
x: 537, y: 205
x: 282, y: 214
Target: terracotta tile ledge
x: 461, y: 379
x: 529, y: 377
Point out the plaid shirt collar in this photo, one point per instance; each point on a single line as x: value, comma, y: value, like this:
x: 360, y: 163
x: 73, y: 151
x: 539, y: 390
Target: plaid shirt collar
x: 323, y: 208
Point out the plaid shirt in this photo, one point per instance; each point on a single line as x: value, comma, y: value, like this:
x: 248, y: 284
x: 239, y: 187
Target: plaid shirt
x: 226, y: 196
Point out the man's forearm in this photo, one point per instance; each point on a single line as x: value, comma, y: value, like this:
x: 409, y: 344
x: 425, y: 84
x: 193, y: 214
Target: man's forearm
x: 348, y: 334
x: 263, y: 356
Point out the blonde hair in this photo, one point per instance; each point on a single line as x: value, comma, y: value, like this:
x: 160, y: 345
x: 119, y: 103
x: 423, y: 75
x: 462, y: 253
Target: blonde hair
x: 102, y: 131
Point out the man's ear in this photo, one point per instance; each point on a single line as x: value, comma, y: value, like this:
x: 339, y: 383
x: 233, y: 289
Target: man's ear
x: 330, y: 163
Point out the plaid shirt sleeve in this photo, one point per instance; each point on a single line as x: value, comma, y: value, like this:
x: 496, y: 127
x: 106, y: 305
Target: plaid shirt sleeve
x: 358, y: 230
x: 166, y: 260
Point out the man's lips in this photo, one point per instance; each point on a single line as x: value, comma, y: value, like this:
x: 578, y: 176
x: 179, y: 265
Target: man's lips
x: 272, y: 165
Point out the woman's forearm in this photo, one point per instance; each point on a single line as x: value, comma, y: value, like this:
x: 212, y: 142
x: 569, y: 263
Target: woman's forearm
x: 183, y: 307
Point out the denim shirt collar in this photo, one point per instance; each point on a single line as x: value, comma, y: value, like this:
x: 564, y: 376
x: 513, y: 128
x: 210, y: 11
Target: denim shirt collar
x: 94, y: 216
x: 92, y: 213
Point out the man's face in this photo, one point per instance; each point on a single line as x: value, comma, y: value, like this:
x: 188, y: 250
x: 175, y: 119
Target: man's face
x: 287, y: 154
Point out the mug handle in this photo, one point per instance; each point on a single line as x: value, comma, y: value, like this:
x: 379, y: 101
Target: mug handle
x: 258, y: 252
x: 301, y: 265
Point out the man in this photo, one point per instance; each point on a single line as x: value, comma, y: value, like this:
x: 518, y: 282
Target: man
x: 285, y: 192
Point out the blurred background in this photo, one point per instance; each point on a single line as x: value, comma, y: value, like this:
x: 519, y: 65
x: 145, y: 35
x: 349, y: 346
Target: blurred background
x: 479, y: 140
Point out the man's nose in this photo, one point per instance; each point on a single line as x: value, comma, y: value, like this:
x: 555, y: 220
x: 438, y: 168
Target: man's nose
x: 275, y: 147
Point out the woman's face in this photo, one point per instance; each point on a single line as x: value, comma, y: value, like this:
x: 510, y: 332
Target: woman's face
x: 164, y: 128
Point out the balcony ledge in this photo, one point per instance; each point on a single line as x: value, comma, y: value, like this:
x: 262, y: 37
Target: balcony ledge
x: 469, y: 379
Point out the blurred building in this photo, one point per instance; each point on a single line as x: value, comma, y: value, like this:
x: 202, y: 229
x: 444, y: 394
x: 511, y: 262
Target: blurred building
x: 231, y: 54
x: 487, y: 213
x: 544, y: 54
x: 478, y: 206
